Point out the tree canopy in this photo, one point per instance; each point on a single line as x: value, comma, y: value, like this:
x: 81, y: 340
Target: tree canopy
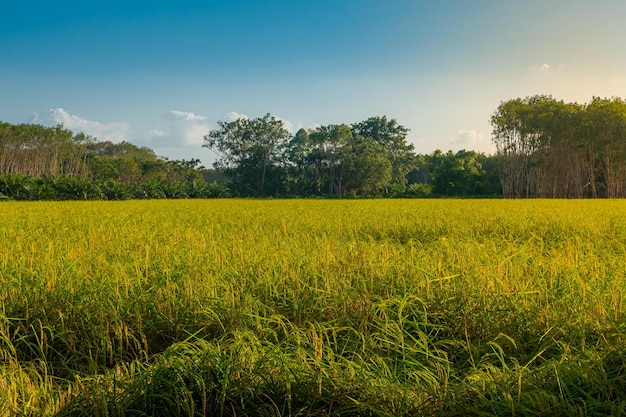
x: 256, y: 157
x: 53, y: 163
x: 248, y: 150
x: 362, y: 159
x: 550, y: 148
x: 544, y: 148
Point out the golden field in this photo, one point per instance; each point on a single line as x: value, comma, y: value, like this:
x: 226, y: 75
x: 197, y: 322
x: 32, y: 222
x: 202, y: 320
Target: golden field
x: 313, y: 307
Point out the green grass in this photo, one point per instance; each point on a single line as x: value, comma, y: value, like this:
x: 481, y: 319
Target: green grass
x: 296, y: 307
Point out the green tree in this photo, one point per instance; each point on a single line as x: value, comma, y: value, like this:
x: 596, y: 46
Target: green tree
x: 248, y: 150
x: 76, y: 188
x: 328, y: 156
x: 37, y: 150
x: 114, y: 190
x: 368, y: 171
x: 393, y: 139
x: 300, y: 173
x: 550, y: 148
x: 342, y: 163
x: 16, y: 186
x: 148, y: 190
x: 456, y: 174
x: 606, y: 129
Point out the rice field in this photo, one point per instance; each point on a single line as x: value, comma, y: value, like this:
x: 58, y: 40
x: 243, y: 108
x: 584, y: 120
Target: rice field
x: 313, y: 307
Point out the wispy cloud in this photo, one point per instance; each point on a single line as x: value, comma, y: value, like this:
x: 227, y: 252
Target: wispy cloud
x: 183, y: 115
x: 114, y: 132
x: 541, y: 67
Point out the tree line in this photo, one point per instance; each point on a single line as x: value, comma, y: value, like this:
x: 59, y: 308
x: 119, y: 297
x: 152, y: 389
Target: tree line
x: 545, y: 148
x: 256, y: 158
x: 53, y: 163
x: 553, y: 149
x: 366, y: 159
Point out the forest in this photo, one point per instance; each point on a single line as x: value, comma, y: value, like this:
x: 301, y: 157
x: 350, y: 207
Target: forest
x: 256, y: 158
x: 554, y: 149
x: 545, y: 148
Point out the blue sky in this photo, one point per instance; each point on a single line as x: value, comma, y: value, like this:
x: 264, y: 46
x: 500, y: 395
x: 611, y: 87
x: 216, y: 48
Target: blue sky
x: 161, y: 74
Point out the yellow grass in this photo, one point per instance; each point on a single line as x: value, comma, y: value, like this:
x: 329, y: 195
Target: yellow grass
x: 427, y: 306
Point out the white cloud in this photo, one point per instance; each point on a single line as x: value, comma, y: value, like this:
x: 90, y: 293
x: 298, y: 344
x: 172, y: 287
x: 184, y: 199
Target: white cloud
x: 541, y: 67
x: 233, y: 115
x: 467, y: 138
x: 114, y: 132
x: 287, y: 124
x: 182, y: 115
x: 185, y: 129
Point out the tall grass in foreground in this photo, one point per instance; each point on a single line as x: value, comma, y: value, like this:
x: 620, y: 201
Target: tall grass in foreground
x: 386, y: 307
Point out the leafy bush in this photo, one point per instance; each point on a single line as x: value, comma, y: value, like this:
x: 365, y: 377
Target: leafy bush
x: 76, y: 188
x: 115, y: 190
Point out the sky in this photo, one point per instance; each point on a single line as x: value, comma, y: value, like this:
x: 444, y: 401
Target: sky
x: 161, y: 74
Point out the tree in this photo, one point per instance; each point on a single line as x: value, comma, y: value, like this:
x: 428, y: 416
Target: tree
x: 606, y: 124
x: 37, y: 150
x: 327, y: 156
x: 391, y: 136
x: 43, y: 163
x: 368, y: 171
x: 300, y: 174
x: 517, y: 143
x: 248, y: 150
x: 456, y: 174
x: 342, y: 163
x: 549, y: 148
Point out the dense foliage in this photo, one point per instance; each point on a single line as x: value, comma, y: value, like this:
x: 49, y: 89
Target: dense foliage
x: 36, y: 150
x: 370, y: 158
x: 313, y: 307
x: 40, y: 163
x: 550, y: 148
x: 256, y: 157
x: 545, y: 148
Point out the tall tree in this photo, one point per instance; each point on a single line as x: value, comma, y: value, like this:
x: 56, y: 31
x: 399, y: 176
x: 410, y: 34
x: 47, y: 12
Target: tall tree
x: 300, y: 175
x: 456, y: 174
x: 368, y: 171
x: 606, y: 121
x: 549, y: 148
x: 393, y: 139
x: 521, y: 139
x: 37, y: 150
x: 248, y: 150
x: 345, y: 163
x: 327, y: 156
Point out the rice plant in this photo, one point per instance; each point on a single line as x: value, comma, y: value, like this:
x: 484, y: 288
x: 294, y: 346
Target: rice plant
x: 313, y: 307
